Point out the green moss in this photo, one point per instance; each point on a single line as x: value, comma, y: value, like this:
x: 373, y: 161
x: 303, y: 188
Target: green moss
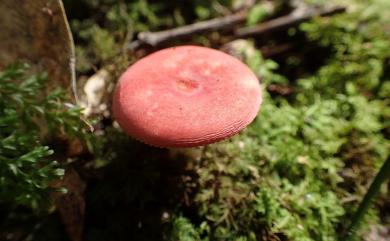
x: 287, y: 174
x: 296, y: 173
x: 27, y: 119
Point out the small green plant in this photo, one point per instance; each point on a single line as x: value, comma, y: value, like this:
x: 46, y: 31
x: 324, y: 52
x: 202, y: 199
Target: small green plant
x: 28, y: 118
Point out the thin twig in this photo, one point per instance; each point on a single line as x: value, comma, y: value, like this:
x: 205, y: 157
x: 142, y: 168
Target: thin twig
x: 269, y: 52
x: 217, y: 24
x: 229, y: 22
x: 289, y: 20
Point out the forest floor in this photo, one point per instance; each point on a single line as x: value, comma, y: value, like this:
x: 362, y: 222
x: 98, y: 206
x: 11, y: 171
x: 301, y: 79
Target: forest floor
x: 297, y: 173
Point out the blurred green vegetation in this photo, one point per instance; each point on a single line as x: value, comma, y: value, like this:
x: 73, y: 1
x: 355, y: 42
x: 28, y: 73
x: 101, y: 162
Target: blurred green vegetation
x: 33, y: 122
x: 296, y: 173
x: 25, y: 167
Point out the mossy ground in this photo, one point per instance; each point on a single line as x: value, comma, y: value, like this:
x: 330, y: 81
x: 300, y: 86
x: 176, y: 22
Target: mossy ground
x: 296, y: 173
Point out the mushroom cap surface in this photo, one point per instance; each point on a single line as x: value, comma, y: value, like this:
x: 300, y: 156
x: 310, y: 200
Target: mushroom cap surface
x: 186, y: 96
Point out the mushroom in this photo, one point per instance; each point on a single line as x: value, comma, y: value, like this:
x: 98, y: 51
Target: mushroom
x: 186, y: 96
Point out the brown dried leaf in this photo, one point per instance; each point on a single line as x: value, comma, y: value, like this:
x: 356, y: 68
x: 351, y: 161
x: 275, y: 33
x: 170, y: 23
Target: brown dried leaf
x: 38, y: 32
x: 71, y: 205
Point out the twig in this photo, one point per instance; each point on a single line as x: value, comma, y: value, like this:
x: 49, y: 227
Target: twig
x: 229, y: 22
x: 157, y: 38
x: 289, y: 20
x: 269, y: 52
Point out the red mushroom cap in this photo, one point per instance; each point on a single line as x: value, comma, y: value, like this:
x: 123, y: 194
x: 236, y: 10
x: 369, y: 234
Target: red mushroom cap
x: 186, y: 96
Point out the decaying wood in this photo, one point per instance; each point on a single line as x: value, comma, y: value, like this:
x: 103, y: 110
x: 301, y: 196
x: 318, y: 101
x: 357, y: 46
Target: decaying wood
x: 38, y: 33
x: 230, y: 23
x: 287, y: 21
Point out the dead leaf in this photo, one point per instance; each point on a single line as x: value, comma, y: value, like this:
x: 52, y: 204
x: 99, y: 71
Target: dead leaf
x: 71, y: 205
x: 38, y: 33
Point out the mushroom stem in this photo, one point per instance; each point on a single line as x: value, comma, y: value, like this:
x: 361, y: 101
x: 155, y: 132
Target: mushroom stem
x: 382, y: 176
x: 194, y: 153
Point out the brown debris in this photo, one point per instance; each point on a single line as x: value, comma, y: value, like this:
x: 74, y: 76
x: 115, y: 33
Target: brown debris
x: 38, y: 32
x: 71, y: 206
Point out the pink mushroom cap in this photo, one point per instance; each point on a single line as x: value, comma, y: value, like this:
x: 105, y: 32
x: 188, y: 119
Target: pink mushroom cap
x: 186, y: 96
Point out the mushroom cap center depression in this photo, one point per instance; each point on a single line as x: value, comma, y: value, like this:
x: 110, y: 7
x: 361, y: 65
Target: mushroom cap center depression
x: 186, y: 96
x: 187, y: 85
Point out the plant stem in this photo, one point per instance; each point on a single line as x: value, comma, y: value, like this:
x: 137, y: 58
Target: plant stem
x: 373, y: 190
